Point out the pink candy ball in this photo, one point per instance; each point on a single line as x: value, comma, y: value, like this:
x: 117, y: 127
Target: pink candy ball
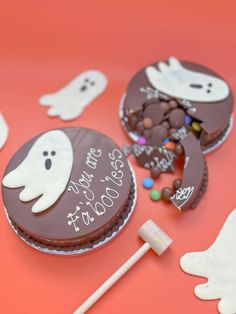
x: 141, y: 140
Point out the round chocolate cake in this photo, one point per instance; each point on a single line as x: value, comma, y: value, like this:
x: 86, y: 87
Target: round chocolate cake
x: 177, y: 110
x: 68, y: 189
x: 167, y: 100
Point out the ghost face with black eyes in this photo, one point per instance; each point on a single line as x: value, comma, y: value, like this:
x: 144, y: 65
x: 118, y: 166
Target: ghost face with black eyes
x: 87, y: 84
x: 48, y: 161
x: 69, y: 102
x: 199, y: 86
x: 44, y: 172
x: 175, y: 80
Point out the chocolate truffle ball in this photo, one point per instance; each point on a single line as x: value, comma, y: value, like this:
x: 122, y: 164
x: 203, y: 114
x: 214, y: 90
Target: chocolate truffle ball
x: 173, y: 104
x: 165, y: 106
x: 158, y: 134
x: 166, y: 194
x: 155, y: 172
x: 159, y: 131
x: 155, y: 112
x: 177, y: 118
x: 166, y: 124
x: 177, y: 184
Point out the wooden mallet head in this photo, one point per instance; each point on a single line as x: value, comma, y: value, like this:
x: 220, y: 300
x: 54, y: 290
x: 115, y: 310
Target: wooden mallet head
x: 152, y: 234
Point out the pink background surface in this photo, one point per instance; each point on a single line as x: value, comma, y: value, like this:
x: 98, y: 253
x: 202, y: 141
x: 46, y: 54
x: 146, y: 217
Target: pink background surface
x: 44, y: 44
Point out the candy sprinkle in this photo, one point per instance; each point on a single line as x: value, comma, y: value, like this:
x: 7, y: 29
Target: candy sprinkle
x: 155, y: 195
x: 148, y: 183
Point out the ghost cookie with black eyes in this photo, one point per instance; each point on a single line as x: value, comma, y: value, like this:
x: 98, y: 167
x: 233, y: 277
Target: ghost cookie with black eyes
x: 69, y: 102
x: 165, y: 99
x: 68, y: 190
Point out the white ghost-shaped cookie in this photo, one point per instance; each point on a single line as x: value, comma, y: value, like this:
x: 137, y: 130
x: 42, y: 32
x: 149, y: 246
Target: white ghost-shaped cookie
x: 218, y: 265
x: 69, y: 102
x: 44, y: 172
x: 176, y: 81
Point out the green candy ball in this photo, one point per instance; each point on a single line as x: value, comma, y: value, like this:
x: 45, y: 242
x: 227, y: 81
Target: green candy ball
x: 155, y: 195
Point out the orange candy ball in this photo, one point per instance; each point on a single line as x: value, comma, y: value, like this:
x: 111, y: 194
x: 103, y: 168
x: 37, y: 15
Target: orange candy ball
x: 170, y: 145
x: 148, y: 123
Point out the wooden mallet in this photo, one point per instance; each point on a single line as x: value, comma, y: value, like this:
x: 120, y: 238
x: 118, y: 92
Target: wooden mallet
x: 154, y: 238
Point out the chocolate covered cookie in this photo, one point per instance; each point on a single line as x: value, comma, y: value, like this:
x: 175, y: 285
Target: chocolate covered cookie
x: 68, y: 189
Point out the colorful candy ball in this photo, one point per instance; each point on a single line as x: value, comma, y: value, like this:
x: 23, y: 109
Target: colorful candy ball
x: 148, y: 183
x: 148, y: 123
x: 188, y: 119
x: 170, y: 145
x: 166, y: 140
x: 196, y: 127
x: 155, y: 195
x: 142, y: 140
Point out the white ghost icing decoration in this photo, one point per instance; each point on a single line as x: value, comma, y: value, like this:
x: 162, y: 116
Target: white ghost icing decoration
x: 69, y: 102
x: 4, y: 131
x: 218, y: 264
x: 176, y: 81
x: 44, y: 172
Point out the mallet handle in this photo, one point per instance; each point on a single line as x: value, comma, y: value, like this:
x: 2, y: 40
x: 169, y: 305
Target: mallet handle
x: 113, y: 279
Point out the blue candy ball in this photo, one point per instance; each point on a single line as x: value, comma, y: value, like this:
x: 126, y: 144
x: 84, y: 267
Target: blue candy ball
x: 166, y: 140
x: 188, y: 119
x: 148, y: 183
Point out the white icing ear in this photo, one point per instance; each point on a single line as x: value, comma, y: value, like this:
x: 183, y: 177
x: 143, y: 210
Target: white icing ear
x: 45, y: 171
x: 4, y: 130
x: 218, y: 265
x: 69, y: 102
x: 176, y: 81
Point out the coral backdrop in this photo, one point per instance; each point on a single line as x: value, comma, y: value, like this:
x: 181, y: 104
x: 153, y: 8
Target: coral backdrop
x: 44, y: 44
